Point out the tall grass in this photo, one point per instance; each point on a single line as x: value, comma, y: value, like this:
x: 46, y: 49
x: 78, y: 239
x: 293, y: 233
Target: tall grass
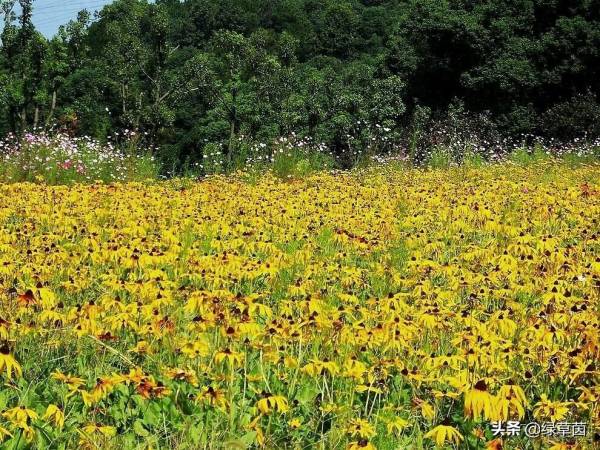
x: 61, y: 159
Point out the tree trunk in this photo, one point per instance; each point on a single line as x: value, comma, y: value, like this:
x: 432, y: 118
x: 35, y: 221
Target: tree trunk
x: 232, y: 132
x: 12, y: 118
x: 123, y: 94
x: 24, y: 79
x: 23, y: 115
x: 233, y: 126
x: 52, y: 108
x: 36, y: 117
x: 138, y: 118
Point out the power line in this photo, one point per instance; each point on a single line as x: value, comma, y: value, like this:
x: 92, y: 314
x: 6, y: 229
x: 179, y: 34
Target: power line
x: 57, y: 13
x: 54, y: 20
x: 62, y: 13
x: 70, y: 5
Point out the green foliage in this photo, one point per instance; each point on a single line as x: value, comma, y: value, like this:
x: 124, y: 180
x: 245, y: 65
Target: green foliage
x: 525, y: 156
x: 440, y: 158
x: 573, y: 118
x: 473, y: 160
x: 360, y: 77
x: 299, y: 164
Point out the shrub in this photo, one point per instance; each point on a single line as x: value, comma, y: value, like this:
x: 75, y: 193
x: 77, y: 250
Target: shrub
x: 576, y: 118
x: 460, y: 133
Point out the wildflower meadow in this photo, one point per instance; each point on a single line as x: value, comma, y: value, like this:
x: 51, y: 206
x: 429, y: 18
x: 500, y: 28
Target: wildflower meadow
x: 389, y: 307
x: 299, y: 224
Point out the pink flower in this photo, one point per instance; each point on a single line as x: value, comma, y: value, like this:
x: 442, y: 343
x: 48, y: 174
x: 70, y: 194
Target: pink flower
x: 66, y: 165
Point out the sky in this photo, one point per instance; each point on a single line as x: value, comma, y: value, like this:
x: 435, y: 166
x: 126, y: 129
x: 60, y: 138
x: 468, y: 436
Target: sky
x: 48, y: 15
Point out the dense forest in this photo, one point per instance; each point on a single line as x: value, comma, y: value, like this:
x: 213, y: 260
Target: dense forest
x: 344, y: 73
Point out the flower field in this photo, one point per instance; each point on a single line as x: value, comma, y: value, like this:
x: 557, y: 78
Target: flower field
x: 388, y: 309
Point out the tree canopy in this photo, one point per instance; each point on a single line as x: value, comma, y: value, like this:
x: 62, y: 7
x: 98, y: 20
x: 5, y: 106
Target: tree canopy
x: 194, y: 72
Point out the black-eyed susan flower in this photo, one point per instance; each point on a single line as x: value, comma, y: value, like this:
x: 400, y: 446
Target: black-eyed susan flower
x: 54, y: 414
x: 178, y: 374
x: 270, y: 402
x: 22, y: 417
x: 554, y: 411
x: 8, y: 364
x: 295, y: 423
x: 232, y: 358
x: 213, y: 396
x: 510, y: 402
x: 442, y: 434
x: 494, y: 444
x: 73, y: 382
x: 4, y: 433
x: 479, y: 402
x: 396, y: 425
x: 361, y: 428
x: 95, y: 428
x: 362, y: 444
x: 4, y: 327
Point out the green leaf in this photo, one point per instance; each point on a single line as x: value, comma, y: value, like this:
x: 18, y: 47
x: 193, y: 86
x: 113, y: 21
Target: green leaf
x: 139, y: 429
x: 152, y: 414
x: 242, y: 443
x: 307, y: 394
x: 4, y: 397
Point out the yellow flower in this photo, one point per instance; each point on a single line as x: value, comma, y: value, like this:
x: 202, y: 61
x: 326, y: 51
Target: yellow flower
x: 90, y: 398
x: 427, y: 410
x: 55, y: 414
x: 143, y: 348
x: 295, y: 423
x: 271, y: 402
x: 195, y: 349
x: 72, y: 381
x: 104, y: 430
x: 8, y: 363
x: 361, y: 428
x: 330, y: 408
x: 4, y: 326
x: 479, y: 402
x: 28, y: 432
x: 104, y: 386
x: 495, y: 444
x: 396, y: 425
x: 317, y: 368
x: 234, y: 359
x: 20, y: 416
x: 444, y: 433
x: 254, y: 425
x: 213, y: 397
x: 4, y: 433
x: 553, y: 411
x: 364, y: 388
x: 510, y: 399
x: 363, y: 444
x: 186, y: 375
